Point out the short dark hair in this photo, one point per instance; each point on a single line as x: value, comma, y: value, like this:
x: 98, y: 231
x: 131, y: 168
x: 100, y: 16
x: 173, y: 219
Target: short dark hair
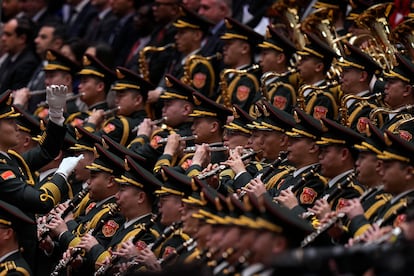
x: 25, y: 26
x: 60, y: 30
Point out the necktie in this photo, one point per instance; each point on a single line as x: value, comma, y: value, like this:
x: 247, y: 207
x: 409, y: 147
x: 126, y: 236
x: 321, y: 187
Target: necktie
x: 133, y: 52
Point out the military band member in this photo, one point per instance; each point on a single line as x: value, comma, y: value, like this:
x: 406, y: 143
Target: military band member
x: 135, y: 199
x: 29, y: 128
x: 238, y: 54
x: 337, y: 158
x: 315, y: 60
x: 95, y: 81
x: 358, y: 69
x: 276, y: 54
x: 131, y: 93
x: 399, y: 93
x: 12, y: 222
x: 16, y: 189
x: 295, y: 192
x: 178, y: 104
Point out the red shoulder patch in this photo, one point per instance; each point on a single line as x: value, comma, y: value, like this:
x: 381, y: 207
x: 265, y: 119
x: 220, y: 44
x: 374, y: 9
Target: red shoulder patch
x: 399, y: 219
x: 320, y: 112
x: 7, y: 175
x: 341, y: 204
x: 280, y: 102
x: 154, y: 141
x: 167, y: 251
x: 199, y: 80
x: 242, y: 93
x: 362, y: 124
x: 76, y: 122
x: 109, y: 128
x: 406, y: 135
x: 140, y: 245
x: 186, y: 164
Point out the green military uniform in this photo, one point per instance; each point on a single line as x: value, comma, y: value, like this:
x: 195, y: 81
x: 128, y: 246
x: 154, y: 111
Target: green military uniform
x: 281, y: 91
x: 142, y: 235
x: 122, y: 128
x: 205, y: 107
x: 12, y: 261
x: 354, y: 110
x: 149, y: 147
x: 318, y: 99
x: 240, y: 88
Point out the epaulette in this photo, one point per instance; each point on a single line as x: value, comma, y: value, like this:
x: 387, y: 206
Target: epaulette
x: 10, y: 266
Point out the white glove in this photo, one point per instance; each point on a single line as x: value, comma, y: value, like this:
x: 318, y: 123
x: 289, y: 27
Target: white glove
x: 68, y: 164
x: 56, y: 99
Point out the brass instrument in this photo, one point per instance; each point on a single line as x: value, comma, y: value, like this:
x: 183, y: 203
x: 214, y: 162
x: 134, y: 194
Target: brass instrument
x: 364, y: 100
x: 184, y: 138
x: 269, y: 75
x: 192, y: 61
x: 375, y: 20
x: 142, y: 58
x: 301, y: 103
x: 225, y: 94
x: 220, y: 168
x: 385, y: 110
x: 403, y: 34
x: 211, y: 149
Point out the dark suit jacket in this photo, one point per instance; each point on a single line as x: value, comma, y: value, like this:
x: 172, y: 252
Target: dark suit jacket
x: 100, y: 30
x: 123, y: 38
x: 79, y: 26
x: 17, y: 73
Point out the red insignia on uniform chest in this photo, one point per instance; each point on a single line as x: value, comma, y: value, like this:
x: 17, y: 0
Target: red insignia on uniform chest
x: 199, y: 80
x: 399, y: 219
x: 167, y: 251
x: 140, y: 245
x: 341, y: 203
x: 110, y: 228
x: 242, y: 93
x: 320, y: 112
x: 308, y: 195
x: 8, y: 175
x: 90, y: 206
x: 186, y: 164
x: 109, y: 128
x: 154, y: 141
x: 280, y: 102
x: 362, y: 124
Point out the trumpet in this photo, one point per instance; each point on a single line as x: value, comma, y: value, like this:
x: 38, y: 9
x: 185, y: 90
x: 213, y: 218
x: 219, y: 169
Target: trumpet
x: 142, y: 59
x: 225, y: 95
x: 211, y: 149
x: 220, y: 168
x: 363, y: 100
x: 380, y: 110
x: 184, y: 138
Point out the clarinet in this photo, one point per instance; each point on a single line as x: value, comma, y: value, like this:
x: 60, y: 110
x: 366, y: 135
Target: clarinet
x: 220, y: 168
x: 186, y: 246
x: 312, y: 236
x: 164, y: 236
x: 305, y: 178
x: 75, y: 201
x: 282, y: 156
x: 114, y: 258
x: 76, y: 251
x: 238, y: 266
x: 341, y: 186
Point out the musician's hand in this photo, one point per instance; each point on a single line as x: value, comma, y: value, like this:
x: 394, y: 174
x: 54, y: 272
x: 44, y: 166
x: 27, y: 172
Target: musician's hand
x: 336, y: 231
x: 46, y: 244
x: 320, y: 208
x: 76, y: 262
x: 287, y: 199
x: 97, y: 117
x: 147, y: 257
x: 154, y: 95
x: 352, y: 208
x: 202, y: 155
x: 21, y: 97
x: 145, y: 128
x: 235, y: 162
x: 59, y: 209
x: 127, y: 250
x: 255, y: 186
x: 173, y: 144
x: 57, y: 225
x: 87, y: 242
x: 212, y: 181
